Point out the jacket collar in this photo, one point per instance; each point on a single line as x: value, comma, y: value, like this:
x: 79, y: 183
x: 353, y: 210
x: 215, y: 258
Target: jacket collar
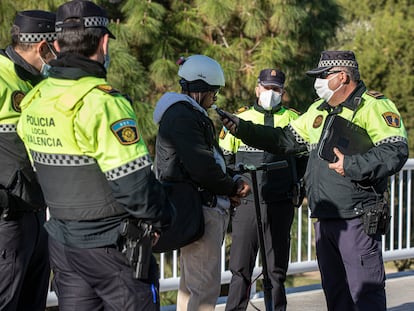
x: 23, y: 69
x: 73, y: 67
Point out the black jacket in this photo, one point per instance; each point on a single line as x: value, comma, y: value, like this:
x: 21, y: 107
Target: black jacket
x: 186, y: 146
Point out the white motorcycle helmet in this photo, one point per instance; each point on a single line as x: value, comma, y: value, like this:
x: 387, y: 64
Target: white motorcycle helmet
x: 200, y: 73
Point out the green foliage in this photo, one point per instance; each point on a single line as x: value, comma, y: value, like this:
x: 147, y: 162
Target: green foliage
x: 243, y: 36
x: 382, y: 43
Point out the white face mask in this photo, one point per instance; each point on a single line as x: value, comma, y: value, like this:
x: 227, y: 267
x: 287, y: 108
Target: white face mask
x: 269, y: 99
x: 322, y: 88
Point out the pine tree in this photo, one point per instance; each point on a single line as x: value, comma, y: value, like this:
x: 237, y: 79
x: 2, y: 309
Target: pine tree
x: 244, y: 36
x: 381, y: 36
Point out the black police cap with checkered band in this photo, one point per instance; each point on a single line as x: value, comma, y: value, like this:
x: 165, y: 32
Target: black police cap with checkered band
x: 35, y: 26
x: 331, y: 59
x: 89, y: 14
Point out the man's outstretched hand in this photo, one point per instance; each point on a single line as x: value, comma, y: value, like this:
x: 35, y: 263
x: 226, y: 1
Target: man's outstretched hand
x: 230, y: 121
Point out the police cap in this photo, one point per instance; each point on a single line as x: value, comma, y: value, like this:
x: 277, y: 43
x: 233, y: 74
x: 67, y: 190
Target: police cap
x: 331, y: 59
x: 271, y: 77
x: 82, y: 14
x: 35, y: 26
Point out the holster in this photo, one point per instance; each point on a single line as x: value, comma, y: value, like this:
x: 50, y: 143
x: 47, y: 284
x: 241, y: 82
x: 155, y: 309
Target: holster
x: 136, y: 245
x: 298, y: 193
x: 377, y: 219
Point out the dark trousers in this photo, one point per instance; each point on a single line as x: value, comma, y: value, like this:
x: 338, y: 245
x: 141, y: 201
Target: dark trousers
x: 24, y: 263
x: 351, y: 266
x: 100, y: 279
x: 277, y: 219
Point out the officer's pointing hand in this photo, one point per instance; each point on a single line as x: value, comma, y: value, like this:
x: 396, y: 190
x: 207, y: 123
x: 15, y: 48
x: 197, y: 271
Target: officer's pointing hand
x: 338, y: 166
x: 230, y: 121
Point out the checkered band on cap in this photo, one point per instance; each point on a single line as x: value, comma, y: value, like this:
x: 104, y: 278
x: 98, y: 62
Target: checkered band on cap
x: 37, y: 37
x: 338, y: 63
x: 61, y: 159
x: 7, y: 128
x: 88, y: 22
x: 95, y: 21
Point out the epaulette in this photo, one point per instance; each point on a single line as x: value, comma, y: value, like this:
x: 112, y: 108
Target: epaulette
x: 375, y: 94
x: 295, y: 111
x: 242, y: 109
x: 107, y: 89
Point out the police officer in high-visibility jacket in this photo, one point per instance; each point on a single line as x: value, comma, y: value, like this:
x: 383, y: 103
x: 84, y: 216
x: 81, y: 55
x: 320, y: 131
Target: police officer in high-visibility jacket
x: 347, y: 193
x: 95, y: 172
x: 24, y: 263
x: 277, y: 190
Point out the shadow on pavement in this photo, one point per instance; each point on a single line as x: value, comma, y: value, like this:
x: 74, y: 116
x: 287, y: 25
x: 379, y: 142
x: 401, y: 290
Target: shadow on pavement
x: 403, y: 307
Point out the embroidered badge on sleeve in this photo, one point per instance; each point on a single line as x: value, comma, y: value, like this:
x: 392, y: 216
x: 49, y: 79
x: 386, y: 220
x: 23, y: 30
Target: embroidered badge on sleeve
x: 392, y: 119
x: 317, y: 122
x: 17, y: 97
x: 126, y: 131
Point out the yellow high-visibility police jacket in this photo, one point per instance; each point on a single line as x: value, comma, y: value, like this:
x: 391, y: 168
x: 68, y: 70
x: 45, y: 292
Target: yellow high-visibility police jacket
x: 90, y: 158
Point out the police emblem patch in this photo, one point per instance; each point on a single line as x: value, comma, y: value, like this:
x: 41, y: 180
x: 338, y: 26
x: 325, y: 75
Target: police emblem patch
x: 318, y: 121
x: 17, y: 97
x: 392, y: 119
x: 126, y: 131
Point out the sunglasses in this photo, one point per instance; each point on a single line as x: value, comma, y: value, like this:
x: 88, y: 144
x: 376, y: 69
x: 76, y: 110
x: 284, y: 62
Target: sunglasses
x: 325, y: 74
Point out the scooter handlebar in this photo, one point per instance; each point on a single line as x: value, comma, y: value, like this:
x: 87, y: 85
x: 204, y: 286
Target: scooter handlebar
x: 243, y: 168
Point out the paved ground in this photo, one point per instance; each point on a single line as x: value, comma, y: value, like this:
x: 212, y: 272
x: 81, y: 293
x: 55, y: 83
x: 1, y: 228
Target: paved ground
x: 399, y: 287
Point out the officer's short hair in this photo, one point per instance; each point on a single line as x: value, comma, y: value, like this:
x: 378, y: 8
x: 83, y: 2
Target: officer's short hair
x: 353, y: 73
x: 83, y: 42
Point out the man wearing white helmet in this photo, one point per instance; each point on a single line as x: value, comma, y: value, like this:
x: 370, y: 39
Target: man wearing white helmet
x: 187, y: 152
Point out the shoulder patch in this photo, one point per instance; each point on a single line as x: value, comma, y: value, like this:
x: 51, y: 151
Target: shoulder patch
x: 242, y: 109
x: 392, y: 119
x: 126, y: 131
x: 317, y: 122
x: 107, y: 89
x: 16, y: 99
x: 375, y: 94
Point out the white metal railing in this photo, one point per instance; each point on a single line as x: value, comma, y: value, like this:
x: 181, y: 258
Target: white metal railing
x: 396, y: 245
